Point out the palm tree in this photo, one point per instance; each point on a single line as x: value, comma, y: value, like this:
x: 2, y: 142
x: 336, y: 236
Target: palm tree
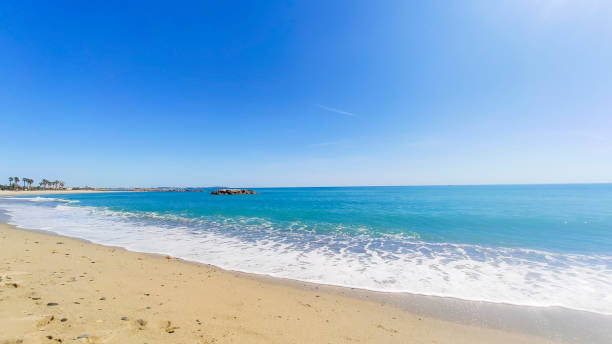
x: 29, y: 182
x: 44, y: 183
x: 16, y: 184
x: 62, y: 184
x: 10, y: 181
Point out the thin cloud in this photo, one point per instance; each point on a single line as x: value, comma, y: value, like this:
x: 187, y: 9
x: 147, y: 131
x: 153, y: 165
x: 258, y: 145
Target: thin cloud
x: 341, y: 112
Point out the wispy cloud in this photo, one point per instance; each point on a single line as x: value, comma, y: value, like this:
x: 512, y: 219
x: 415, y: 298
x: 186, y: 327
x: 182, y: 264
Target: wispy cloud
x: 341, y: 112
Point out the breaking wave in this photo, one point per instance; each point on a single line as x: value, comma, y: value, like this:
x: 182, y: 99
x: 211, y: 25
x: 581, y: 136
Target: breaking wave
x: 362, y: 259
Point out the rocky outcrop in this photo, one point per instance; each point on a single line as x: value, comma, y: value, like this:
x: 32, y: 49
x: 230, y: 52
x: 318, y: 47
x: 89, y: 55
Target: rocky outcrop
x: 233, y: 192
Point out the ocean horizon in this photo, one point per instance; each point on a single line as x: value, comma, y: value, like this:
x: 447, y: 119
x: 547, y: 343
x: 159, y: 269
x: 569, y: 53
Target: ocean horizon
x: 525, y: 244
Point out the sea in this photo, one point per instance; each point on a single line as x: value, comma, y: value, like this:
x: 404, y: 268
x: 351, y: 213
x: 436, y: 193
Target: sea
x: 535, y: 245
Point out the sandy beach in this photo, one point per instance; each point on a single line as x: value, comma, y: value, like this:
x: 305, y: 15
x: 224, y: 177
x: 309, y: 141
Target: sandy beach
x: 58, y: 289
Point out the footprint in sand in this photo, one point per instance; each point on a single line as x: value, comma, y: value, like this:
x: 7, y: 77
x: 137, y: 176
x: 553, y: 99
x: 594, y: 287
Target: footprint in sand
x: 45, y: 321
x: 11, y: 281
x: 141, y: 324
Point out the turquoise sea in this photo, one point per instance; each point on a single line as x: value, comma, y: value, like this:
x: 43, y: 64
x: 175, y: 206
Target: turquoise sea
x: 539, y: 245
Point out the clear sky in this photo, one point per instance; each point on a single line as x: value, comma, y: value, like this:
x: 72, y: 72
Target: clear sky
x: 265, y: 93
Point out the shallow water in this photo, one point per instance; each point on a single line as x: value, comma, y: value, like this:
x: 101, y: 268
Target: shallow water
x: 539, y: 245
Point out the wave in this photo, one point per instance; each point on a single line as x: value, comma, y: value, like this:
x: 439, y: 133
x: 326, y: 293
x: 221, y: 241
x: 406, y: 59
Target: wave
x: 389, y: 263
x: 39, y: 199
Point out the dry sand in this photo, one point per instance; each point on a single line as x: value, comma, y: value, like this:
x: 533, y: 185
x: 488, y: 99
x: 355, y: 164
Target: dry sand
x: 55, y: 289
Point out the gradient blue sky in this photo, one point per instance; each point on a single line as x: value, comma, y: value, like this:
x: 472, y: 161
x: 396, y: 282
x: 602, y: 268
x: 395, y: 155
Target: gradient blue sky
x: 306, y: 93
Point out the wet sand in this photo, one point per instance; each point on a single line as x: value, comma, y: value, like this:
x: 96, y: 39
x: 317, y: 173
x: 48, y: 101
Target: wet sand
x: 58, y: 289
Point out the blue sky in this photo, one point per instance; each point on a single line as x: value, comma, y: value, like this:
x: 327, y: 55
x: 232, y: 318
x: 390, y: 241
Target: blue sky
x: 306, y: 93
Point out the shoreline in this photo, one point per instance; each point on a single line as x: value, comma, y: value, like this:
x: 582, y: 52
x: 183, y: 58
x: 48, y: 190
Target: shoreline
x: 240, y: 290
x: 51, y: 192
x: 228, y: 264
x: 535, y: 324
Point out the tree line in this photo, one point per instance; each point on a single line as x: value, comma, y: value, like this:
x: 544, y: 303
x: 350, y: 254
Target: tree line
x: 26, y: 184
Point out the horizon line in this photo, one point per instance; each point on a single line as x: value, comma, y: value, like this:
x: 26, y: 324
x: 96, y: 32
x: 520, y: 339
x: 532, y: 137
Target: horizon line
x: 344, y: 186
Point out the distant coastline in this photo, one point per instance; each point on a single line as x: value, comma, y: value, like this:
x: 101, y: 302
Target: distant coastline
x: 34, y: 192
x: 53, y: 192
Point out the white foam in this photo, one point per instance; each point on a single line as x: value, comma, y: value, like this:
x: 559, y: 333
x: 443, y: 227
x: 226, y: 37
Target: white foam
x: 38, y: 199
x: 392, y: 263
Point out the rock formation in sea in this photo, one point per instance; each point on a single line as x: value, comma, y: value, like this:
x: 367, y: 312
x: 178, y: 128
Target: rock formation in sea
x: 233, y: 192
